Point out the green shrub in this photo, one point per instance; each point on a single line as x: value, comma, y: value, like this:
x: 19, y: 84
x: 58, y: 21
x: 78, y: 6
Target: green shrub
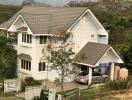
x: 28, y: 80
x: 122, y: 84
x: 23, y: 85
x: 34, y: 83
x: 44, y: 95
x: 36, y: 98
x: 31, y: 82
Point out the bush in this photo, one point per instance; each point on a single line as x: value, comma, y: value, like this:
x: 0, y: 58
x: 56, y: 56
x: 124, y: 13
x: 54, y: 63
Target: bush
x: 116, y: 85
x: 36, y: 98
x: 23, y: 87
x: 31, y: 82
x: 28, y: 80
x: 43, y: 95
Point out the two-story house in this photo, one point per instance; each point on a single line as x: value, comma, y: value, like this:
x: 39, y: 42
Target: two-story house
x: 32, y: 27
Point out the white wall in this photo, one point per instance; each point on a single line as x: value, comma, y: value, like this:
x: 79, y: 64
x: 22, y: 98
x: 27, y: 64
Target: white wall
x: 109, y: 57
x: 82, y: 31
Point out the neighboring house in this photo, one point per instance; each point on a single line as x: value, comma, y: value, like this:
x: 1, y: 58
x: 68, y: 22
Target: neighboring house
x: 31, y: 28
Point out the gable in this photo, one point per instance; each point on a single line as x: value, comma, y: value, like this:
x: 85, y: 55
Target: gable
x: 110, y: 56
x: 90, y: 17
x: 94, y: 53
x: 19, y: 24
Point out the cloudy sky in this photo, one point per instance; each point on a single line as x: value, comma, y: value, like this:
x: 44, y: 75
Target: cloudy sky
x: 51, y: 2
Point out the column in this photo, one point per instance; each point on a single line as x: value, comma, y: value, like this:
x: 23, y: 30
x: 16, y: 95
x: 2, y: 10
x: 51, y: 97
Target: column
x: 90, y: 76
x: 112, y: 72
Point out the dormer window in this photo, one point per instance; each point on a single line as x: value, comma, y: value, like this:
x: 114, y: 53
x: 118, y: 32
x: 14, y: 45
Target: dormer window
x: 92, y: 35
x: 26, y: 38
x: 43, y: 40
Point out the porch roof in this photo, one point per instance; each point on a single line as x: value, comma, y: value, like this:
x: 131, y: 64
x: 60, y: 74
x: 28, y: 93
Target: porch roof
x: 94, y: 53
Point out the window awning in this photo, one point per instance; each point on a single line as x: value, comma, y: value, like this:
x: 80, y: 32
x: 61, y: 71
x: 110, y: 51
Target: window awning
x: 22, y: 29
x: 24, y: 56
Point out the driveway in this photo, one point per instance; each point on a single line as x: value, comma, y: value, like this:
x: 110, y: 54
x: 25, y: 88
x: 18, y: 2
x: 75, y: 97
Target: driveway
x: 67, y: 86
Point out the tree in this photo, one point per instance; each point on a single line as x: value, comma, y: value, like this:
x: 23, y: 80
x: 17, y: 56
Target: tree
x: 116, y: 17
x: 7, y: 59
x: 61, y: 57
x: 7, y: 11
x: 28, y: 2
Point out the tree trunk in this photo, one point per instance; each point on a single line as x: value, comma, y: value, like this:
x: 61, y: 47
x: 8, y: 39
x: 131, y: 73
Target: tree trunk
x: 62, y: 80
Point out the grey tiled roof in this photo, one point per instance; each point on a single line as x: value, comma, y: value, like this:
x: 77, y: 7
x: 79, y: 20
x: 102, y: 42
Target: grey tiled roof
x: 43, y: 20
x: 91, y: 53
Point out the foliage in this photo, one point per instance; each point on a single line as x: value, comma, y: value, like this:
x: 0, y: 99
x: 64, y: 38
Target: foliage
x: 29, y: 81
x: 43, y: 96
x: 7, y: 59
x: 116, y: 17
x: 125, y: 51
x: 23, y: 85
x: 128, y: 58
x: 7, y: 11
x: 61, y: 57
x: 36, y: 98
x: 121, y: 84
x: 28, y: 2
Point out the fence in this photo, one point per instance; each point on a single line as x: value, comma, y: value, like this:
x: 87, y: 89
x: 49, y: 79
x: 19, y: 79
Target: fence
x: 32, y: 91
x: 12, y: 85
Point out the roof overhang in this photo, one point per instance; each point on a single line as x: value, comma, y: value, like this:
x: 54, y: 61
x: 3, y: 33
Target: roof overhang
x: 3, y: 29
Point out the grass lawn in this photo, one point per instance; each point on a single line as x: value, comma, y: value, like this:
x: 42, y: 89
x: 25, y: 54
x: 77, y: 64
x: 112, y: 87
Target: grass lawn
x: 98, y: 93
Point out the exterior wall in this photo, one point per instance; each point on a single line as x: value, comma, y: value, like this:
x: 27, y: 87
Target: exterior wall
x: 34, y: 50
x: 40, y: 55
x: 109, y: 57
x: 87, y: 30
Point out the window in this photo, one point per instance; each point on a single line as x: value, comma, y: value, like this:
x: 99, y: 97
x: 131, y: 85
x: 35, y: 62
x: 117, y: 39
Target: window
x: 84, y: 68
x: 101, y: 35
x: 27, y: 38
x: 13, y: 40
x: 96, y: 74
x: 92, y: 35
x: 25, y: 65
x: 43, y: 39
x: 41, y: 66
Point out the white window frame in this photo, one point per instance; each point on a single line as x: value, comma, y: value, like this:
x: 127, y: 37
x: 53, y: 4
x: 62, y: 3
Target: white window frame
x: 26, y: 65
x: 26, y: 38
x: 41, y: 67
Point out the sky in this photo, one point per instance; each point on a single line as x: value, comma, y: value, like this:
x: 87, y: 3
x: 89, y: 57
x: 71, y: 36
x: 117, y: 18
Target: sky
x: 51, y: 2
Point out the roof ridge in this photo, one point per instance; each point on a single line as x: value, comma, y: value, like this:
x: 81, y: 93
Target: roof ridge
x: 52, y: 7
x: 35, y: 13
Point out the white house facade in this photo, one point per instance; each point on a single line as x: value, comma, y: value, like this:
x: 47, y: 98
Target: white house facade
x: 32, y: 27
